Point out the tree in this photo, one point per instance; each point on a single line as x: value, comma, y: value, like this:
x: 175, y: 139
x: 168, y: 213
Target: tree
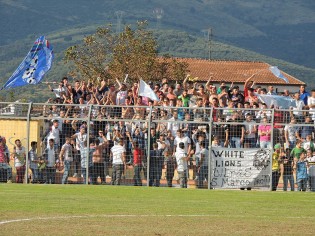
x: 109, y: 55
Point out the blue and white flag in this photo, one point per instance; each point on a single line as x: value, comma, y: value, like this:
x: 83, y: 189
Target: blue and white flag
x: 274, y: 70
x: 34, y: 66
x: 146, y: 91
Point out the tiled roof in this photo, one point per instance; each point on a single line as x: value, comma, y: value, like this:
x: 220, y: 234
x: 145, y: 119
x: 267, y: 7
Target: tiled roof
x: 235, y: 71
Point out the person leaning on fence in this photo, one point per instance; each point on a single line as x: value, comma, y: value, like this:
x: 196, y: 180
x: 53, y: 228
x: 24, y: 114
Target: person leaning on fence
x: 50, y: 157
x: 156, y: 165
x: 118, y: 155
x: 4, y: 161
x: 203, y: 164
x: 99, y: 161
x: 301, y: 172
x: 53, y: 132
x: 181, y: 159
x: 19, y: 155
x: 66, y: 159
x: 137, y: 163
x: 287, y: 173
x: 33, y: 160
x: 276, y: 166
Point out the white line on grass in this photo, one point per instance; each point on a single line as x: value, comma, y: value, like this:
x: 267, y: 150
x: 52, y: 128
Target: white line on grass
x: 107, y: 216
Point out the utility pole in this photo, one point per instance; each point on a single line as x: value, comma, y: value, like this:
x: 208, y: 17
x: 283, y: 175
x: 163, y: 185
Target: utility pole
x: 158, y: 13
x: 119, y: 15
x: 207, y: 33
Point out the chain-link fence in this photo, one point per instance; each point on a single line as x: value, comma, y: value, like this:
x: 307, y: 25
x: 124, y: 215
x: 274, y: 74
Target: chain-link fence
x: 152, y: 146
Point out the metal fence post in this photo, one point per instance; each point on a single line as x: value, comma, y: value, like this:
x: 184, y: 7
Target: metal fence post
x: 88, y: 144
x: 271, y: 146
x: 28, y: 124
x: 149, y: 146
x: 210, y: 148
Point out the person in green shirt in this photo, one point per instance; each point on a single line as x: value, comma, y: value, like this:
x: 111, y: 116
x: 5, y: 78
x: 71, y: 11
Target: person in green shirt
x: 185, y: 97
x: 296, y: 152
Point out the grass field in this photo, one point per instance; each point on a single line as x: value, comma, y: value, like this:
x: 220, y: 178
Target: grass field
x: 110, y: 210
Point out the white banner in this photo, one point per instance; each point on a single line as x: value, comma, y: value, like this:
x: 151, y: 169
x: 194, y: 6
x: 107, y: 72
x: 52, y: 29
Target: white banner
x: 240, y: 168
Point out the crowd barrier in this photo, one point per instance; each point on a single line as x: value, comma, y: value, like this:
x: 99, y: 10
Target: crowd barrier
x: 222, y: 145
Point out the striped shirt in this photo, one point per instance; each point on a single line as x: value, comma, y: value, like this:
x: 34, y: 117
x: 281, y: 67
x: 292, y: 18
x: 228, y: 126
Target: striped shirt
x: 117, y: 152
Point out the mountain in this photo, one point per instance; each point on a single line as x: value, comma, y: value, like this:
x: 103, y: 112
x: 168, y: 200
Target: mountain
x: 277, y: 32
x: 282, y: 29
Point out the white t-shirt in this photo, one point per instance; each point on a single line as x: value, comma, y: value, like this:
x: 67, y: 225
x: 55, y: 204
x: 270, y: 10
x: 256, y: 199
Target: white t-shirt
x: 67, y: 152
x: 19, y: 158
x: 58, y: 91
x: 311, y: 101
x: 121, y: 97
x: 291, y: 132
x: 205, y: 153
x: 117, y: 152
x: 51, y: 157
x: 186, y: 140
x: 250, y: 127
x: 180, y: 154
x: 54, y: 134
x: 80, y: 139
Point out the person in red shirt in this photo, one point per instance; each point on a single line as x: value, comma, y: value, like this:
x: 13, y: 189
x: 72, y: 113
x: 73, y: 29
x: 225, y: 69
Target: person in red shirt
x: 137, y: 163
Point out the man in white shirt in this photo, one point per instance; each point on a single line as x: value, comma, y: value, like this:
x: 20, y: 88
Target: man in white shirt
x: 180, y: 138
x: 311, y: 104
x: 203, y: 164
x: 118, y: 155
x: 52, y: 133
x: 181, y: 159
x: 50, y: 157
x: 58, y: 91
x: 299, y: 106
x: 173, y: 125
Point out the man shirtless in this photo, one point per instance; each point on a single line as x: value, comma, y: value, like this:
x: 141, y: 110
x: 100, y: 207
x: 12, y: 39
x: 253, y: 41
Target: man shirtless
x: 99, y: 161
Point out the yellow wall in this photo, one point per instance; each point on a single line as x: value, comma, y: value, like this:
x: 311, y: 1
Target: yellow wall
x: 13, y: 129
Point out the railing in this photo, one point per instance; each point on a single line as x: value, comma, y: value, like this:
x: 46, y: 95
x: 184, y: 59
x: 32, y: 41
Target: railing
x: 225, y: 147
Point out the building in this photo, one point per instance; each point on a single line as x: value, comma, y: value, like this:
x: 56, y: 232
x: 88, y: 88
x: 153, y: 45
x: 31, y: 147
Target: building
x: 237, y: 72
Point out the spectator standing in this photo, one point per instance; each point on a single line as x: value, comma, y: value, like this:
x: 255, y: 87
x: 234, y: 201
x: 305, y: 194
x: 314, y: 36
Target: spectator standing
x: 53, y: 132
x: 66, y: 158
x: 290, y: 133
x: 235, y: 131
x: 99, y: 161
x: 301, y: 172
x: 203, y: 164
x: 50, y: 156
x: 287, y: 174
x: 264, y: 132
x: 170, y: 165
x: 5, y: 159
x: 311, y: 104
x: 137, y: 163
x: 276, y: 162
x: 19, y: 155
x: 156, y: 165
x: 33, y: 160
x: 181, y: 159
x: 118, y: 154
x: 304, y: 94
x: 250, y: 132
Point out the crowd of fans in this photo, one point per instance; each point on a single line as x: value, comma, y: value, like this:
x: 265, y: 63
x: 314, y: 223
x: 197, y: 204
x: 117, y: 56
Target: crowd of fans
x: 124, y: 127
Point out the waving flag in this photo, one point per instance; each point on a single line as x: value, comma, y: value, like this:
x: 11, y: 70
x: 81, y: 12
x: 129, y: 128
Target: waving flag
x: 274, y: 70
x: 34, y: 66
x: 278, y: 101
x: 146, y: 91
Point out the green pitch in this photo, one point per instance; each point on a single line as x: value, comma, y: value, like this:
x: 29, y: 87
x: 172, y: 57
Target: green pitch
x: 109, y: 210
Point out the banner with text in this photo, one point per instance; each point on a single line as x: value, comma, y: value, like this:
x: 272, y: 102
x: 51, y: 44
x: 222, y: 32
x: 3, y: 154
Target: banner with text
x: 240, y: 168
